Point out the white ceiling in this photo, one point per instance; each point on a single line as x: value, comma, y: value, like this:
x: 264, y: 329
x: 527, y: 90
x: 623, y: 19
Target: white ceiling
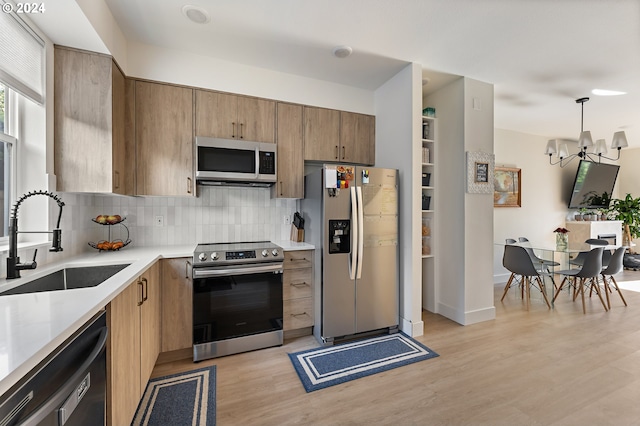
x: 540, y: 55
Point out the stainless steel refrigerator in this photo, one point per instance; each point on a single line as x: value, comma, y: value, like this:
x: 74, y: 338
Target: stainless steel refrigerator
x: 351, y: 216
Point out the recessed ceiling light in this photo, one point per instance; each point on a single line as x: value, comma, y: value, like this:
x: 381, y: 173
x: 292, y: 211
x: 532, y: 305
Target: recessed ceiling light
x: 196, y: 14
x: 342, y: 51
x: 602, y: 92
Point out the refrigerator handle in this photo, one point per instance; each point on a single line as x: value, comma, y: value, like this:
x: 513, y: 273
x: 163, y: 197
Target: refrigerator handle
x: 353, y: 261
x: 360, y: 232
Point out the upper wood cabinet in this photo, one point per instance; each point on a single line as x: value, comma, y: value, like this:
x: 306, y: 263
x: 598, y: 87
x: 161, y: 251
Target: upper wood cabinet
x: 290, y: 166
x: 338, y: 136
x: 357, y: 138
x: 164, y: 139
x: 90, y: 143
x: 223, y: 115
x: 321, y: 134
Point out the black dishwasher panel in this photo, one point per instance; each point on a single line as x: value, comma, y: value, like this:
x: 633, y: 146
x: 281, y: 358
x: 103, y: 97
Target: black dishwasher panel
x: 68, y: 388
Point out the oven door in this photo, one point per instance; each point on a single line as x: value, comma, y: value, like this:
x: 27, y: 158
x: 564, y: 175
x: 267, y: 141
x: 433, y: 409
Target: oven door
x: 236, y: 301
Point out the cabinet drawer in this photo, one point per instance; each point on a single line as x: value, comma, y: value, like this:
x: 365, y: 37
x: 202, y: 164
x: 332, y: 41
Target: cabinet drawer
x: 298, y: 259
x: 298, y: 313
x: 297, y: 284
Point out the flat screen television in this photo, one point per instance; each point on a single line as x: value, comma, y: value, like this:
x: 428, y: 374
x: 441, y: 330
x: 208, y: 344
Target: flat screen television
x: 593, y: 185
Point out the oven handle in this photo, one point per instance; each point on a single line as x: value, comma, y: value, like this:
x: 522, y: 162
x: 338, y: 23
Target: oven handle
x: 209, y: 273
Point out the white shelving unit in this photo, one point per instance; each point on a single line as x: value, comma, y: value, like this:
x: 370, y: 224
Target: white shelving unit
x: 428, y: 188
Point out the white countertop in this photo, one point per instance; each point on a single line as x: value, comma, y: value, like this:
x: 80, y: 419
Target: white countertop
x: 292, y: 245
x: 33, y: 325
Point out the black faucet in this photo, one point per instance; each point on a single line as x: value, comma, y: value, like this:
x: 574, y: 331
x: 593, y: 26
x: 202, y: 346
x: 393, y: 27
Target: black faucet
x: 13, y: 261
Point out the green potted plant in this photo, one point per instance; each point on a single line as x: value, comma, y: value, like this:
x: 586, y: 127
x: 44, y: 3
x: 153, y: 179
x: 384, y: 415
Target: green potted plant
x: 582, y: 211
x: 628, y: 211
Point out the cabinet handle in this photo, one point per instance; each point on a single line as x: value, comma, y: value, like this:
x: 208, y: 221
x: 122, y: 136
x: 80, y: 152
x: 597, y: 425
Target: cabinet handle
x: 187, y: 265
x: 241, y: 127
x: 336, y: 152
x: 189, y: 185
x: 302, y: 284
x: 344, y: 153
x: 145, y: 290
x: 141, y: 300
x: 233, y: 129
x: 281, y: 188
x: 299, y: 315
x: 117, y: 179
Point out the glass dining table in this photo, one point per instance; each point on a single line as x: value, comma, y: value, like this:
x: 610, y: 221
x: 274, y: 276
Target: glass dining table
x: 550, y: 259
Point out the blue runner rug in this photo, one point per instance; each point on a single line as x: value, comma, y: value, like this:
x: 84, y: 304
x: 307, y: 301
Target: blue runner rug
x: 324, y: 367
x: 180, y: 399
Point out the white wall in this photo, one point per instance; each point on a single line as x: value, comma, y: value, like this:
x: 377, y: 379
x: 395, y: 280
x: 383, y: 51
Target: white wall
x: 545, y: 193
x: 447, y: 296
x: 398, y: 124
x: 464, y: 235
x: 179, y: 67
x: 478, y: 242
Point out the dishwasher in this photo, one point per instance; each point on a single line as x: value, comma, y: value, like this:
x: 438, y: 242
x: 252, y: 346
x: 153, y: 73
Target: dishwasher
x: 67, y: 388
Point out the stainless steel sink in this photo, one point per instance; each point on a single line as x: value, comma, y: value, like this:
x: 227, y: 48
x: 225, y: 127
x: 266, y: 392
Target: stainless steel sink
x: 68, y: 278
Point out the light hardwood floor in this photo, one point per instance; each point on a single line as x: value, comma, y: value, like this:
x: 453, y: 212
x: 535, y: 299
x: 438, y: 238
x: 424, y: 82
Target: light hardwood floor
x: 536, y: 367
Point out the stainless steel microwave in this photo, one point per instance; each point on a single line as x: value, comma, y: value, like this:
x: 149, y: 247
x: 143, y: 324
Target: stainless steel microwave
x: 232, y: 162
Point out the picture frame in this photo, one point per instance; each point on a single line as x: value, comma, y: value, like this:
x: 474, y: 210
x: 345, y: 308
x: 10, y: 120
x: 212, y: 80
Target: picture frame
x: 507, y: 187
x: 481, y: 172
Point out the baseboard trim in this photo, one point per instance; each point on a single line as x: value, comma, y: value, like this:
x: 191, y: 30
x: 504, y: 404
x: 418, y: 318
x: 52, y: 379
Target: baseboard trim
x: 177, y: 355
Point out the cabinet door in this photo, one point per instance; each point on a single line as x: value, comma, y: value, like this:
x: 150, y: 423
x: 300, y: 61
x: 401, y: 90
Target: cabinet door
x: 164, y: 139
x: 290, y: 156
x: 256, y: 118
x: 177, y: 305
x: 150, y: 322
x: 82, y: 121
x: 123, y: 160
x: 123, y: 357
x: 357, y: 138
x: 216, y: 115
x: 321, y: 134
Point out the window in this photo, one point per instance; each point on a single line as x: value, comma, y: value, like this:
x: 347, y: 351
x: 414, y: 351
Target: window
x: 6, y: 167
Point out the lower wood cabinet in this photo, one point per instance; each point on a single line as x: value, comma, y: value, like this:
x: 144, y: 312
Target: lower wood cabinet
x: 133, y: 318
x: 297, y: 292
x: 177, y: 309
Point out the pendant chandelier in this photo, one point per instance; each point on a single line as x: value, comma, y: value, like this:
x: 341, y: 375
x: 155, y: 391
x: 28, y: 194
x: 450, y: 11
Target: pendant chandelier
x: 584, y: 144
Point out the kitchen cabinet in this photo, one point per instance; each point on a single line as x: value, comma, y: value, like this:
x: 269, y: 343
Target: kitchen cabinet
x: 177, y: 306
x: 321, y: 134
x: 338, y: 136
x: 133, y: 318
x: 164, y: 139
x: 297, y: 292
x: 357, y: 138
x: 290, y: 159
x: 228, y: 116
x: 92, y: 152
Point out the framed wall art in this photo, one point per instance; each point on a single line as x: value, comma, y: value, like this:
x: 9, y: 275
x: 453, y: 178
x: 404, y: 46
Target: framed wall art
x: 507, y: 187
x: 479, y: 172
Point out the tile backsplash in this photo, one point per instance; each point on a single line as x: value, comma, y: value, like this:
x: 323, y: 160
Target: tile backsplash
x: 217, y: 214
x: 225, y: 214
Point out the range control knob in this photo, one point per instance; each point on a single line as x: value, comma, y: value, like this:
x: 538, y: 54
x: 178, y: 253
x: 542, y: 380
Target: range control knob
x: 265, y: 253
x: 214, y: 256
x: 202, y: 257
x: 274, y: 252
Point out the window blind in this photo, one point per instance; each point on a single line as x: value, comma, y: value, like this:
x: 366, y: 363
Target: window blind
x: 21, y: 57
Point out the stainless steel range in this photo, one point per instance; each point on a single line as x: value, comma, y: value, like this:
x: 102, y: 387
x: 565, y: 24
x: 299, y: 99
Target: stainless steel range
x: 237, y: 298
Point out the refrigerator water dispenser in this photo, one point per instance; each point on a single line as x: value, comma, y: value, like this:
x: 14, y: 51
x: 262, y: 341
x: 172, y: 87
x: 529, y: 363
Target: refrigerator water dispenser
x: 339, y: 236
